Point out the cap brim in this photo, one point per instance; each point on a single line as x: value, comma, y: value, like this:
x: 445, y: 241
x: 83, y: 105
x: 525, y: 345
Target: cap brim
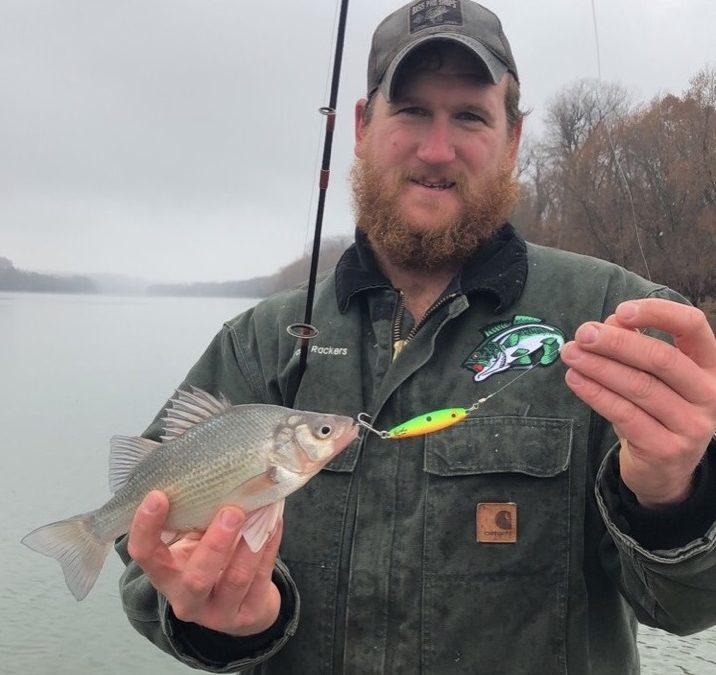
x: 494, y: 67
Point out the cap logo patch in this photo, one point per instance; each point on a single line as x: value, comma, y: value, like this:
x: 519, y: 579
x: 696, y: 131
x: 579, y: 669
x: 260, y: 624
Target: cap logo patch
x: 521, y: 343
x: 430, y: 13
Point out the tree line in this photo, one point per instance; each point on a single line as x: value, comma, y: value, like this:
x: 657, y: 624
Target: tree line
x: 289, y: 276
x: 634, y: 184
x: 13, y: 279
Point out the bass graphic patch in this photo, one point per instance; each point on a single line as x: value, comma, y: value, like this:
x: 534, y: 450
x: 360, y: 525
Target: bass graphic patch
x: 521, y: 343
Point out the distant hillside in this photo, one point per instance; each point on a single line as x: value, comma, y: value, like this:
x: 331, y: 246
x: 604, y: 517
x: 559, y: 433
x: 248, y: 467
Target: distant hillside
x: 13, y: 279
x: 291, y: 275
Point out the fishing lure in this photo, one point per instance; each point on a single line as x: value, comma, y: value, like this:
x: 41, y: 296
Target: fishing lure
x: 427, y: 423
x: 433, y: 421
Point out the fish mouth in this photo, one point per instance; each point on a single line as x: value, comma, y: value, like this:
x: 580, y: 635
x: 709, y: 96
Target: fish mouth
x: 350, y: 433
x: 346, y: 436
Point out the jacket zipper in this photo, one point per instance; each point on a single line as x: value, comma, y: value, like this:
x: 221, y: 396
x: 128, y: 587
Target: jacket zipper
x: 399, y: 342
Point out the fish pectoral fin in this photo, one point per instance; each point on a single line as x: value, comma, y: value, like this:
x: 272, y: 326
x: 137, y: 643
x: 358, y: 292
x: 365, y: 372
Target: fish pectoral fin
x: 261, y: 524
x: 280, y: 474
x: 518, y: 353
x: 125, y: 452
x: 261, y: 483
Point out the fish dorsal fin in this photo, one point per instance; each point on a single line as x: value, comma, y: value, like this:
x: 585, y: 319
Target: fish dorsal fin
x: 495, y: 328
x: 125, y: 452
x: 525, y: 318
x: 188, y: 408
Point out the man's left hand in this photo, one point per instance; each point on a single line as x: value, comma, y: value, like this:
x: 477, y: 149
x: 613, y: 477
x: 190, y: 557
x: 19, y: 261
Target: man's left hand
x: 661, y: 399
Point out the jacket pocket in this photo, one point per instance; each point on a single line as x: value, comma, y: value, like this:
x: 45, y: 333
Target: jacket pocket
x: 502, y: 605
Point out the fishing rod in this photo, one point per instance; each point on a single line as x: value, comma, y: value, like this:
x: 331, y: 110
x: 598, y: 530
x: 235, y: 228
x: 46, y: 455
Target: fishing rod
x: 306, y: 331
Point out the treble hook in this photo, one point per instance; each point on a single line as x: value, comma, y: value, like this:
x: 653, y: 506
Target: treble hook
x: 361, y: 419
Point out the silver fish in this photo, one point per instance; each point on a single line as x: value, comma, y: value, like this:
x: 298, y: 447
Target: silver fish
x: 212, y: 454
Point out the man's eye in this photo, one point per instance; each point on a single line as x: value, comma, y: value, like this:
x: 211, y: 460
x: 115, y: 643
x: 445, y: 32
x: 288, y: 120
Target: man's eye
x: 413, y: 111
x: 470, y: 117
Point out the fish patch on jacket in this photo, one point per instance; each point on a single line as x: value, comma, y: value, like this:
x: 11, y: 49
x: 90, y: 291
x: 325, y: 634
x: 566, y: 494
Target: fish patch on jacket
x: 521, y: 343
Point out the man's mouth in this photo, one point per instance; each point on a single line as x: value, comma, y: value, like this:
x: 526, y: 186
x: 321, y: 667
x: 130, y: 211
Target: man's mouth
x: 433, y: 185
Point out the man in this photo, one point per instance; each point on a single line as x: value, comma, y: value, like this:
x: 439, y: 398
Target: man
x: 531, y: 536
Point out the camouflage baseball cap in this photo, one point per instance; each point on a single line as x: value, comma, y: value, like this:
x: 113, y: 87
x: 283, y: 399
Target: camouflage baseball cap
x: 461, y: 21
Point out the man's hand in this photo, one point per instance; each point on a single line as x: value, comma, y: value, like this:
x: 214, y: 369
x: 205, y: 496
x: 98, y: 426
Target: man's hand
x: 207, y: 577
x: 661, y: 399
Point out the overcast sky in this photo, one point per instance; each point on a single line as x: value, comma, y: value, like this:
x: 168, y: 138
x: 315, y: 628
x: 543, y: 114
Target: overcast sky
x: 179, y: 140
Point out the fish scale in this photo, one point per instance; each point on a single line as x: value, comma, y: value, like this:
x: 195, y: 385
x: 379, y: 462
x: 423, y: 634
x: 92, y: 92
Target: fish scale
x: 193, y: 469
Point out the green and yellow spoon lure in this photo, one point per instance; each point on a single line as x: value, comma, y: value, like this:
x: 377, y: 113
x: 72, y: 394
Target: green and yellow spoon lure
x: 433, y: 421
x: 427, y: 423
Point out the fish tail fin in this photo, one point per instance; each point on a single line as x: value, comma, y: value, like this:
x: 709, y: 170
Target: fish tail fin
x: 78, y: 550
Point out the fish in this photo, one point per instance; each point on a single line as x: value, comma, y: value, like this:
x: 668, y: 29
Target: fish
x: 521, y: 343
x: 211, y: 454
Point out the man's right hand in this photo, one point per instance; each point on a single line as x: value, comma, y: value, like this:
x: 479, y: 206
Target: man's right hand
x: 207, y: 577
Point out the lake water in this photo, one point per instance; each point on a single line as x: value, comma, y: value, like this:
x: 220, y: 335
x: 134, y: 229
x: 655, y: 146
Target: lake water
x: 74, y: 371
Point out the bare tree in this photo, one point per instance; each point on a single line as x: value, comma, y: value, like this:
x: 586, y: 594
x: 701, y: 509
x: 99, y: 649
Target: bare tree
x: 635, y: 185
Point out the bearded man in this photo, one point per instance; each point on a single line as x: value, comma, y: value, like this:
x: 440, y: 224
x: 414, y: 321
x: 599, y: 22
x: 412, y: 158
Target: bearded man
x: 531, y: 536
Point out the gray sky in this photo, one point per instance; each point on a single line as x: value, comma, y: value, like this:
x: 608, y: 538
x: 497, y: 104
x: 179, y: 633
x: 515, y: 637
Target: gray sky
x: 179, y: 140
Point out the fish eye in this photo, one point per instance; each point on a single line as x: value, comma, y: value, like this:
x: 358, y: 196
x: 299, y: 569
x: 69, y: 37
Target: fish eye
x: 325, y: 430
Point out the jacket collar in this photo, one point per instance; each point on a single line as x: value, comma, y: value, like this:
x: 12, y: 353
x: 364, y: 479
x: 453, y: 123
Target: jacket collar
x: 498, y: 268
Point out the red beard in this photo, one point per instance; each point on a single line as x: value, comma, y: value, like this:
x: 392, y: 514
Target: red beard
x: 485, y: 207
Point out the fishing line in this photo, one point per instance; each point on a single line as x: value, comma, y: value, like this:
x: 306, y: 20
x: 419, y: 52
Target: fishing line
x: 620, y: 169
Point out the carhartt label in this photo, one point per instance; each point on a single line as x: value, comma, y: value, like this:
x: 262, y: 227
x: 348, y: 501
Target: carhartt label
x: 497, y: 522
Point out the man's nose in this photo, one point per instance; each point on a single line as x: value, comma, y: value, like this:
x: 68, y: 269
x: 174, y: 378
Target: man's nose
x: 436, y: 145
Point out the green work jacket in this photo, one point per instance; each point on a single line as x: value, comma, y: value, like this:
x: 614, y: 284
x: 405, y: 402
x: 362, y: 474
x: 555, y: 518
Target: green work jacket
x: 503, y: 545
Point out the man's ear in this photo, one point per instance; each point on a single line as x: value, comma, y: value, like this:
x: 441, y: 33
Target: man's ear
x: 360, y: 127
x: 515, y: 136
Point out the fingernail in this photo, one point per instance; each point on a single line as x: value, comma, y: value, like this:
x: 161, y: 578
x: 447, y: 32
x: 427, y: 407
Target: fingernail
x: 570, y: 352
x: 151, y: 504
x: 587, y: 334
x: 574, y: 378
x: 229, y: 519
x: 627, y: 310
